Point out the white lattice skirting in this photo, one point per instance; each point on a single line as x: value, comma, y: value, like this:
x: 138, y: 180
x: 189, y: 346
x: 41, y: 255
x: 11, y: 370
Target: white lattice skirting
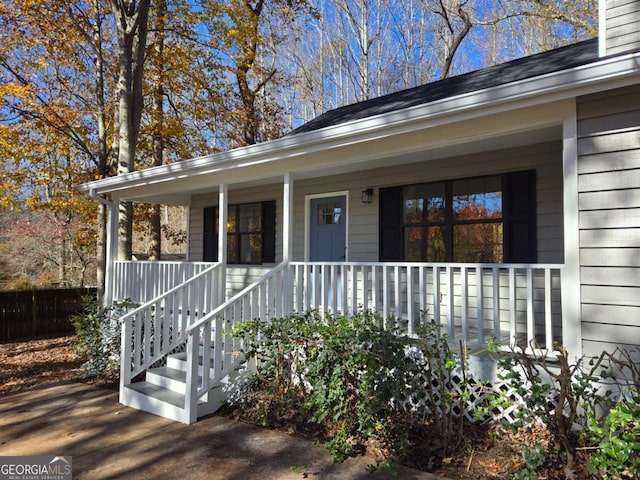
x: 472, y: 393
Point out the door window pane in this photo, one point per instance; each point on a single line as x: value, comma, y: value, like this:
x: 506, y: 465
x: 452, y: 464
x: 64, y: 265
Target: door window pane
x: 477, y: 198
x: 330, y: 213
x: 337, y: 213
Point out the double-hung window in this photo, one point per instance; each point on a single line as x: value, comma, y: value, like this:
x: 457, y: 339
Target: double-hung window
x: 490, y: 219
x: 250, y: 233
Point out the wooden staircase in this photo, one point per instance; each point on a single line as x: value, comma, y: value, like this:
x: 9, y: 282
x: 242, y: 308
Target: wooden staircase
x: 163, y: 392
x: 198, y: 381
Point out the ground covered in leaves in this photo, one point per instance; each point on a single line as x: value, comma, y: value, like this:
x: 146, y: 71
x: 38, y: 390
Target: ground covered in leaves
x: 31, y: 363
x: 41, y: 361
x: 489, y: 452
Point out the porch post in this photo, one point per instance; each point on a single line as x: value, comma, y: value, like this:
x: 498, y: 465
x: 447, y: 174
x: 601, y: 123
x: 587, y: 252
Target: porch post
x: 112, y: 252
x: 287, y: 218
x: 287, y: 239
x: 571, y: 299
x: 223, y: 207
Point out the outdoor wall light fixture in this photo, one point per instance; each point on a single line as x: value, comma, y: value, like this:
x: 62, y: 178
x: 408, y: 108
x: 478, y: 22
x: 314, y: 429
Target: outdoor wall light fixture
x: 367, y: 195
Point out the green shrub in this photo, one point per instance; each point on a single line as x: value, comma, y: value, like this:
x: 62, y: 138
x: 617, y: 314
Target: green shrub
x: 534, y: 458
x: 356, y: 370
x: 559, y: 393
x: 98, y: 332
x: 355, y: 377
x: 618, y: 440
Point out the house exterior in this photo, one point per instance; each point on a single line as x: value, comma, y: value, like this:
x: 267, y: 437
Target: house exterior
x: 502, y: 203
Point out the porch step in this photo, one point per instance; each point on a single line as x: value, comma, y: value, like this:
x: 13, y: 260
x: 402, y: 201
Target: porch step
x: 168, y: 378
x: 163, y: 391
x: 166, y: 403
x: 178, y: 361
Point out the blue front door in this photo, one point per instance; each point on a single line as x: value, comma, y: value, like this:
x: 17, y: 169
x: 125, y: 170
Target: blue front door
x: 328, y: 227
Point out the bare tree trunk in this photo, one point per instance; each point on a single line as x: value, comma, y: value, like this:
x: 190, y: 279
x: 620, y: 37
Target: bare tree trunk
x: 359, y: 23
x: 158, y: 119
x: 125, y: 230
x: 453, y: 38
x: 131, y: 22
x: 155, y: 249
x: 62, y: 261
x: 103, y: 154
x: 245, y: 64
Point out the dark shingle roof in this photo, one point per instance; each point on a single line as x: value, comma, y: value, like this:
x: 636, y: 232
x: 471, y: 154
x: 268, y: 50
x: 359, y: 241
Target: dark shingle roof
x: 542, y: 63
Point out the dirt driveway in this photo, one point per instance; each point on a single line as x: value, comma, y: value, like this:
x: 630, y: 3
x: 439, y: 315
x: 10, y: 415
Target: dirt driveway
x: 107, y: 441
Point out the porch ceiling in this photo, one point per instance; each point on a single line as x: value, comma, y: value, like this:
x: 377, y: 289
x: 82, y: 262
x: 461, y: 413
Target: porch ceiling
x: 179, y: 190
x: 458, y: 149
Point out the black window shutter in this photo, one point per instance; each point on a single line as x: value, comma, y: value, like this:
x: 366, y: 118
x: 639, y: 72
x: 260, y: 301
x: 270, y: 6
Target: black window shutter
x: 210, y: 236
x: 269, y: 231
x: 391, y: 243
x: 520, y: 219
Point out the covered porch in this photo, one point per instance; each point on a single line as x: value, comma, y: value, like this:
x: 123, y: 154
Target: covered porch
x: 546, y: 251
x: 186, y: 310
x: 506, y: 301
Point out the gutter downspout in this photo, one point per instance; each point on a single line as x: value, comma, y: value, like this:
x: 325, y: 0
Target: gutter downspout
x: 111, y: 247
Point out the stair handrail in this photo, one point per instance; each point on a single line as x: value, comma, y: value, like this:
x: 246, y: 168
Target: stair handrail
x: 267, y: 276
x: 193, y: 393
x: 147, y: 304
x: 127, y: 370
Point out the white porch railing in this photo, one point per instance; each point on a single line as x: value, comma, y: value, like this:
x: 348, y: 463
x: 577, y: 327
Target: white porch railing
x: 262, y: 299
x: 154, y: 329
x: 509, y: 302
x: 141, y: 281
x: 474, y: 302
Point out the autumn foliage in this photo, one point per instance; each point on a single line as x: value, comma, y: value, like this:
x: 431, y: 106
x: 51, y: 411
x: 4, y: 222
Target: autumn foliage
x: 214, y: 75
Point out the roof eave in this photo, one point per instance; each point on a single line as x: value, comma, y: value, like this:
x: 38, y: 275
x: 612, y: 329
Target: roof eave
x: 590, y: 78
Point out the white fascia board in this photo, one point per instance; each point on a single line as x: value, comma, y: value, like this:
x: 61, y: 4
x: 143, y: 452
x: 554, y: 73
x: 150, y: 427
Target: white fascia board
x: 601, y: 75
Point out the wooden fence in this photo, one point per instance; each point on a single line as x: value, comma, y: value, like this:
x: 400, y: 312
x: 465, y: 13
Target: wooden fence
x: 34, y: 313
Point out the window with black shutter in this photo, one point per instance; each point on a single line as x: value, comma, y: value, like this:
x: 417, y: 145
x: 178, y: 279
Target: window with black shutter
x: 251, y: 233
x: 390, y: 224
x: 210, y: 238
x: 520, y: 226
x: 489, y: 219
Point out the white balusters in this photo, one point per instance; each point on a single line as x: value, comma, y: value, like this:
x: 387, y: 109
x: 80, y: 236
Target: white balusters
x: 473, y: 302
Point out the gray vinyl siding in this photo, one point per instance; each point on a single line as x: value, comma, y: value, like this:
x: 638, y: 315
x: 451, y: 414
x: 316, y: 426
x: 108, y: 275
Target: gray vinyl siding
x: 196, y: 233
x: 238, y: 276
x: 363, y: 218
x: 622, y: 33
x: 609, y: 218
